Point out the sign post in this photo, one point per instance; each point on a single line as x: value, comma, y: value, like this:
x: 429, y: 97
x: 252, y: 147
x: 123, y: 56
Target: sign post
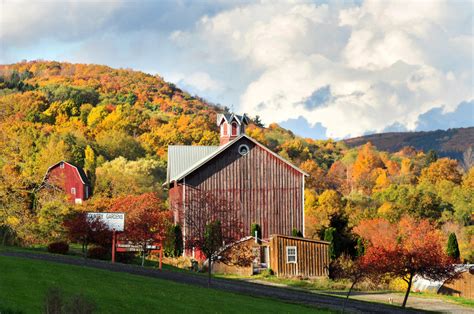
x: 113, y: 246
x: 114, y: 222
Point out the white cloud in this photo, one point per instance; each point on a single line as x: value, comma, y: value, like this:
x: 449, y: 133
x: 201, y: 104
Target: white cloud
x: 25, y: 22
x: 378, y: 63
x: 385, y: 62
x: 199, y: 81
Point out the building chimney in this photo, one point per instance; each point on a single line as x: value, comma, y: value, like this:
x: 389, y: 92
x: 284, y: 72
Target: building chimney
x: 231, y: 126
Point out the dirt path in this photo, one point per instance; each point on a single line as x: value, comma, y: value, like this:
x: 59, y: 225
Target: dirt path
x: 236, y: 286
x: 428, y: 304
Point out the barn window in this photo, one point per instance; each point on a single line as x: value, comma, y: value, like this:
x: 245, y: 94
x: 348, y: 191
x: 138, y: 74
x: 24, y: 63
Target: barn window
x: 243, y: 149
x: 73, y: 191
x: 234, y: 128
x: 291, y: 254
x: 61, y: 165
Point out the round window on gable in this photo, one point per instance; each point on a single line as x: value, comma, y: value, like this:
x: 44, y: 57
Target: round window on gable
x: 243, y: 149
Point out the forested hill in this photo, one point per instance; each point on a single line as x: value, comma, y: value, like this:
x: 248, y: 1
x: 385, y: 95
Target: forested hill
x: 451, y: 143
x: 118, y: 123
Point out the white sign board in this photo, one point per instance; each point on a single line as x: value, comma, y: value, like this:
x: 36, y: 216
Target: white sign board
x: 113, y: 221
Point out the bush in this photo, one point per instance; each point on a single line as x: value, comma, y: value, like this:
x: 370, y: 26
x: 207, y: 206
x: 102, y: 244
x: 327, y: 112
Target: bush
x: 125, y: 257
x: 173, y: 245
x: 98, y: 252
x: 59, y: 247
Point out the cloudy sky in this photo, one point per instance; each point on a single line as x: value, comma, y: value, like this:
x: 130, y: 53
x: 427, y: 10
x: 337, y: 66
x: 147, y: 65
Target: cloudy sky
x: 335, y: 69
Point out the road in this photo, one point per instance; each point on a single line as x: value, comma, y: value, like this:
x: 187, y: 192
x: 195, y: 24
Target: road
x: 236, y: 286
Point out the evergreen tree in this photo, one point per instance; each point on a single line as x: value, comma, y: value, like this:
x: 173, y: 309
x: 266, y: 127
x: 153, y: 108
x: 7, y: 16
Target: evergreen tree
x: 453, y: 248
x: 329, y: 235
x: 256, y: 228
x: 178, y: 240
x: 258, y: 121
x: 296, y: 233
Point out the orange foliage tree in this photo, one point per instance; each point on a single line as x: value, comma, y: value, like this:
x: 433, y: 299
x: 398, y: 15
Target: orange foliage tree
x: 146, y: 219
x: 442, y: 169
x: 364, y: 171
x: 404, y: 250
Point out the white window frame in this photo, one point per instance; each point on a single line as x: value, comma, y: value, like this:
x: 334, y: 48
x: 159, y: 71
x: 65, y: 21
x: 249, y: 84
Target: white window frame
x: 73, y: 191
x: 288, y: 248
x: 244, y: 146
x: 61, y: 165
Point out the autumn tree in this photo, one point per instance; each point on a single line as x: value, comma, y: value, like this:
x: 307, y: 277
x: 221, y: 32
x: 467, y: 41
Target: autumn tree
x: 411, y: 247
x: 364, y: 171
x: 87, y: 231
x: 147, y: 219
x: 210, y: 220
x: 90, y: 164
x: 442, y: 169
x: 317, y: 179
x: 320, y: 209
x: 121, y: 176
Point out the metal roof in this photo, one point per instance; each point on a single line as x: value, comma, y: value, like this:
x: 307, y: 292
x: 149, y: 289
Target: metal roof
x: 182, y: 162
x: 230, y: 116
x: 181, y: 158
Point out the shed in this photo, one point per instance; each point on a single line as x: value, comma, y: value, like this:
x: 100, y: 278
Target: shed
x: 293, y: 256
x: 461, y: 286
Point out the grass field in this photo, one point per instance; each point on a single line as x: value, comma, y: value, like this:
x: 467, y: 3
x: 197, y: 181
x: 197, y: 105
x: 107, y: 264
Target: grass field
x: 24, y: 283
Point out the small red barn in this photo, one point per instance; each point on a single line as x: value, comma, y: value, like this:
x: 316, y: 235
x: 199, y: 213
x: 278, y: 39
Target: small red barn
x: 71, y: 179
x: 262, y: 187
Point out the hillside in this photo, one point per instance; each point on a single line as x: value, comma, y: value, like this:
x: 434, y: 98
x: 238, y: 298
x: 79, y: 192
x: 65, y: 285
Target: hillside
x: 117, y: 125
x: 450, y: 143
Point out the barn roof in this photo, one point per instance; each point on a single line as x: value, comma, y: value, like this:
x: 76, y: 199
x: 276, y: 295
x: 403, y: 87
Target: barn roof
x: 181, y: 158
x: 228, y: 117
x: 190, y: 160
x: 80, y: 171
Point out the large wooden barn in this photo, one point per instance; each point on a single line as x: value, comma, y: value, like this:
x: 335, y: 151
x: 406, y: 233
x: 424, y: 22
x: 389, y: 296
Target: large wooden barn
x: 261, y: 186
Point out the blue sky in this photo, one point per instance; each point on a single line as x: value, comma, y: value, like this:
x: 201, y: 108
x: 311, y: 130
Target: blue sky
x: 335, y: 69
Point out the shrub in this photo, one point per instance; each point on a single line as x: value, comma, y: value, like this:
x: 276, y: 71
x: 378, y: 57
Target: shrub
x: 98, y: 252
x: 173, y: 245
x: 59, y: 247
x: 296, y: 233
x: 125, y: 257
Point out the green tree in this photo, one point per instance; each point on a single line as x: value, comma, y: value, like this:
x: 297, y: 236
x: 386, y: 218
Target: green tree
x: 255, y: 228
x: 329, y: 235
x: 452, y: 249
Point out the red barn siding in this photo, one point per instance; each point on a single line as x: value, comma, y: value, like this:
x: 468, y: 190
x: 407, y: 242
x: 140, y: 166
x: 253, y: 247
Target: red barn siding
x: 261, y: 188
x: 176, y: 202
x: 68, y: 178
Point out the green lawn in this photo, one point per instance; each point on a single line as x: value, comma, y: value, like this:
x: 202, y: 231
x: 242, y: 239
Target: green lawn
x: 23, y: 284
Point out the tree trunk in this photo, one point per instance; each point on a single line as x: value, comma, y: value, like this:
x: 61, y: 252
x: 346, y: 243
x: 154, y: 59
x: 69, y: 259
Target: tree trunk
x: 209, y: 268
x: 408, y: 290
x: 348, y: 294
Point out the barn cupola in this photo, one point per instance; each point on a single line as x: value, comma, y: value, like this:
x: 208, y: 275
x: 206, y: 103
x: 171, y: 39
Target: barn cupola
x: 231, y: 126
